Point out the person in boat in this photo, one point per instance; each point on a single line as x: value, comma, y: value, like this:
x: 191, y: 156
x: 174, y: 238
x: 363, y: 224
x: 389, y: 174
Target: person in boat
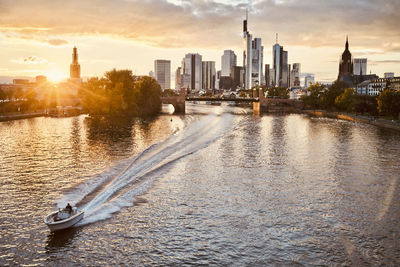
x: 69, y: 208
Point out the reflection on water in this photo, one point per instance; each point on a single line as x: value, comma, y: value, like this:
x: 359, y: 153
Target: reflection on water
x: 216, y: 186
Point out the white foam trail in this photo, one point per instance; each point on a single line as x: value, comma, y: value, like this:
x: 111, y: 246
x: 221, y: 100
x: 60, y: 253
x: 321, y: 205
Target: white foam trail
x: 118, y: 187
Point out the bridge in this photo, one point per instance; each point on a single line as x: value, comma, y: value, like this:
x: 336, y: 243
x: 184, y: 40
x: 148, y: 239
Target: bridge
x: 261, y: 104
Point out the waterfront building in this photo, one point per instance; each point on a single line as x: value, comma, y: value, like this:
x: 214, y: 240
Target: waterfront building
x: 257, y: 77
x: 360, y: 66
x: 192, y: 66
x: 376, y: 86
x: 208, y: 75
x: 75, y: 68
x: 228, y: 60
x: 162, y: 72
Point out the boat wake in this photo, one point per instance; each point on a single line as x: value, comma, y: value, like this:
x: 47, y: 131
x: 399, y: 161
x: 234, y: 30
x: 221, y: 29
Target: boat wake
x: 108, y: 192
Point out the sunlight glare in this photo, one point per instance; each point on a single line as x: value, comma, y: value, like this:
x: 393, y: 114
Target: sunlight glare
x: 55, y: 75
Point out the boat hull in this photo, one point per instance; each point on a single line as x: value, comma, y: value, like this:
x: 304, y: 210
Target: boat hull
x: 63, y: 224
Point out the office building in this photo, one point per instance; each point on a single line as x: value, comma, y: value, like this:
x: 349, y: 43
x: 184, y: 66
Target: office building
x: 247, y: 56
x: 228, y: 60
x: 208, y: 75
x: 360, y: 66
x: 237, y: 77
x: 280, y: 65
x: 162, y: 73
x: 295, y: 75
x: 178, y: 79
x: 257, y: 62
x: 192, y: 66
x: 267, y: 76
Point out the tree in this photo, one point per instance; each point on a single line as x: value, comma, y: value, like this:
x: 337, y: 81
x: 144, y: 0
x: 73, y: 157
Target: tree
x: 314, y: 95
x: 346, y: 100
x: 329, y: 96
x: 147, y: 93
x: 389, y: 102
x: 3, y: 95
x: 278, y: 92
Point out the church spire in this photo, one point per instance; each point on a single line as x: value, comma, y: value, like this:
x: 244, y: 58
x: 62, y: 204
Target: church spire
x: 347, y: 42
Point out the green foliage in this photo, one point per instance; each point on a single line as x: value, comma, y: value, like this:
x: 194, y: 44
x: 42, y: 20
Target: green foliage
x: 389, y: 102
x: 314, y: 95
x: 278, y: 92
x: 366, y: 104
x: 242, y: 94
x: 346, y: 100
x: 118, y: 94
x: 330, y: 95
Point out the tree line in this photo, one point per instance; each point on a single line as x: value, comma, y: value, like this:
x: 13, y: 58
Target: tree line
x: 339, y: 97
x: 120, y: 94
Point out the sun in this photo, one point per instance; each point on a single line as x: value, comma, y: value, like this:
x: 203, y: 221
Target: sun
x: 55, y: 75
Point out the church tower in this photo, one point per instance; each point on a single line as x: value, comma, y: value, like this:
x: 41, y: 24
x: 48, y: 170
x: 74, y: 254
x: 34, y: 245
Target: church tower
x: 346, y: 63
x: 75, y: 68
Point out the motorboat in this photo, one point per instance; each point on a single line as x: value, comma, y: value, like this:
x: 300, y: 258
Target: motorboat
x: 63, y: 218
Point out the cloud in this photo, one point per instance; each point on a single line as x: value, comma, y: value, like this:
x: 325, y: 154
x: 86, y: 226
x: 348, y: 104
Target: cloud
x: 209, y: 24
x: 29, y: 60
x: 57, y: 42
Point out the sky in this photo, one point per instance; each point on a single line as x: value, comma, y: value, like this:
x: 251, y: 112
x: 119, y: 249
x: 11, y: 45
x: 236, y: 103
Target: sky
x: 37, y: 36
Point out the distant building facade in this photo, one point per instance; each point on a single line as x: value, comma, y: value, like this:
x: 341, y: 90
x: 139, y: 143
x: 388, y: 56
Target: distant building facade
x: 295, y: 75
x: 228, y: 60
x: 247, y: 56
x: 192, y: 66
x: 376, y: 86
x: 267, y: 76
x: 389, y: 74
x: 360, y: 66
x: 178, y: 79
x: 257, y: 77
x: 237, y: 77
x: 162, y: 73
x: 309, y: 80
x: 208, y: 75
x: 280, y: 65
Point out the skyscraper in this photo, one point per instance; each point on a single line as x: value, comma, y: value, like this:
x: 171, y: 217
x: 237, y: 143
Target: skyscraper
x: 228, y: 60
x: 162, y: 72
x: 360, y: 66
x: 192, y: 66
x: 75, y: 68
x: 267, y: 76
x: 257, y: 62
x: 247, y: 56
x: 280, y: 65
x: 208, y: 75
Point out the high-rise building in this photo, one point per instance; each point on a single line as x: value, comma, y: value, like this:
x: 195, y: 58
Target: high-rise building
x: 280, y: 65
x: 360, y: 66
x: 178, y: 79
x: 257, y: 62
x: 192, y: 65
x: 75, y: 68
x: 247, y: 56
x: 162, y: 72
x: 267, y: 76
x: 208, y: 75
x: 228, y: 60
x: 237, y: 77
x: 295, y: 75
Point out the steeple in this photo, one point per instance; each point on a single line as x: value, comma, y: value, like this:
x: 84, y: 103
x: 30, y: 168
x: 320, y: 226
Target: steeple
x: 347, y: 42
x: 75, y: 68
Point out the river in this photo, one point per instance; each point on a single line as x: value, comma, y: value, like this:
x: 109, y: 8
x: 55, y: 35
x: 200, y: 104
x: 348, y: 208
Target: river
x: 217, y: 186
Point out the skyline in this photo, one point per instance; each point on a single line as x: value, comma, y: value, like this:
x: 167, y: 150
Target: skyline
x: 132, y: 36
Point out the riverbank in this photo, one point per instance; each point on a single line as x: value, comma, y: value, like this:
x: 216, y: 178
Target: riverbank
x: 395, y: 125
x: 18, y: 116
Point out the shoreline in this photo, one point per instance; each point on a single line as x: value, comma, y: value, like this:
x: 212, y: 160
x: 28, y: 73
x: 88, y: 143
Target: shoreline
x: 394, y: 125
x: 12, y: 117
